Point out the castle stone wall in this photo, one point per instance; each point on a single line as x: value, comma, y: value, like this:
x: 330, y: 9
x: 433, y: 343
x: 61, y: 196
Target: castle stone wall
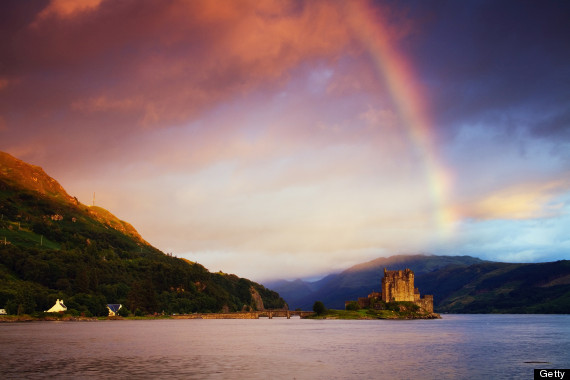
x: 426, y: 303
x: 398, y: 285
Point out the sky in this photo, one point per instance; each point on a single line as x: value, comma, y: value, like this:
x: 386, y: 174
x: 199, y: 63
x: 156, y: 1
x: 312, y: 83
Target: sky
x: 292, y: 139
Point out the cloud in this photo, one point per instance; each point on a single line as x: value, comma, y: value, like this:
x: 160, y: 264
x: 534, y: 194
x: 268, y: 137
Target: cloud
x: 67, y: 9
x: 380, y: 118
x: 180, y: 57
x: 103, y: 104
x: 142, y: 65
x: 281, y: 180
x: 4, y: 83
x: 474, y: 74
x: 524, y: 240
x: 264, y: 131
x: 518, y: 202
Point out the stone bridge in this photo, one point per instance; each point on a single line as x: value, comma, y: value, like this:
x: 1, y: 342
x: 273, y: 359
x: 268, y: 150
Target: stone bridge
x: 247, y: 315
x: 283, y: 313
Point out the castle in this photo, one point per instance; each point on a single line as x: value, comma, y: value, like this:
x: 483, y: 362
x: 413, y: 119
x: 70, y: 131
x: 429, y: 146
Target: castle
x: 397, y: 285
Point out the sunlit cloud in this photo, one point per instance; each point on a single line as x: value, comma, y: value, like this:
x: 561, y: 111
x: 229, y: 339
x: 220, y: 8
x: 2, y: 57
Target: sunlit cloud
x: 293, y: 138
x: 67, y: 8
x: 523, y: 201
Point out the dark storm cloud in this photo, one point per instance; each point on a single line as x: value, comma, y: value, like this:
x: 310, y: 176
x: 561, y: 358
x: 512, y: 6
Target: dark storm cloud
x: 487, y: 59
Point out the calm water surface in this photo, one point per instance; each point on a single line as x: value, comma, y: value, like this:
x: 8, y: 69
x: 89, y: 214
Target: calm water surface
x: 457, y: 346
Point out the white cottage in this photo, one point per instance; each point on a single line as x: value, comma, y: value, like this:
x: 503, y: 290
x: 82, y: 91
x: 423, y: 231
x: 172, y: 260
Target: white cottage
x: 114, y: 309
x: 59, y: 306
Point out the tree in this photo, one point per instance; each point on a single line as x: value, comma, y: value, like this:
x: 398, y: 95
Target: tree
x: 123, y: 312
x: 142, y: 296
x: 352, y: 305
x: 23, y: 303
x: 319, y: 308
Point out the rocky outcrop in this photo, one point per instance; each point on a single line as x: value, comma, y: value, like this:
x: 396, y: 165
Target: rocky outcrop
x: 31, y: 177
x: 256, y: 298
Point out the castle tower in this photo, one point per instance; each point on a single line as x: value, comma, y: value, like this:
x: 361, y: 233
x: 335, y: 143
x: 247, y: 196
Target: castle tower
x: 398, y: 285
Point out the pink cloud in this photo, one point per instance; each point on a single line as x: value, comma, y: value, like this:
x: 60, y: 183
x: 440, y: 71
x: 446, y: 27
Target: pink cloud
x: 119, y: 67
x: 131, y: 65
x: 67, y: 8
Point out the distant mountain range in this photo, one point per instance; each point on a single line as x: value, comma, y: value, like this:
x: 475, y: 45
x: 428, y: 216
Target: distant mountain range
x: 460, y: 284
x: 53, y: 247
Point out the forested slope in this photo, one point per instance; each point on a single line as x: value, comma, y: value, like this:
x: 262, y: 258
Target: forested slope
x: 53, y: 247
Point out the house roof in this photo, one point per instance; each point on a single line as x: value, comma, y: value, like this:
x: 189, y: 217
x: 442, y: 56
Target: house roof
x: 114, y: 307
x: 59, y: 306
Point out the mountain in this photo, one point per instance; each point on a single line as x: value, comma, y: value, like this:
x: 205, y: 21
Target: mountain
x: 459, y: 284
x: 493, y: 287
x: 53, y: 247
x: 359, y: 280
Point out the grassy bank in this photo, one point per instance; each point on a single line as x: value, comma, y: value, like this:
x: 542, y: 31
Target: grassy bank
x: 68, y: 317
x: 373, y: 314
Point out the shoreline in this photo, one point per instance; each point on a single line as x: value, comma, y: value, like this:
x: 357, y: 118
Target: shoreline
x: 329, y: 315
x: 29, y: 318
x: 369, y: 314
x: 371, y: 318
x: 55, y: 317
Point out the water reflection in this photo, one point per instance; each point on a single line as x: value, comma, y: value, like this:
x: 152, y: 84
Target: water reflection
x: 454, y: 347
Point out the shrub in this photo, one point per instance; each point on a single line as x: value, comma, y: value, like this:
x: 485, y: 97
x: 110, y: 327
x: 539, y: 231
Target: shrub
x: 353, y: 305
x: 319, y: 308
x: 73, y: 312
x: 393, y: 306
x: 123, y: 312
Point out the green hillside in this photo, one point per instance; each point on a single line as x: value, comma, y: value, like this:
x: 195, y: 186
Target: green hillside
x: 501, y: 288
x: 53, y: 247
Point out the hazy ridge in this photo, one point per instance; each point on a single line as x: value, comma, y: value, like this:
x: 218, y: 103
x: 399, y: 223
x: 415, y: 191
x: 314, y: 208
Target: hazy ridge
x: 460, y: 284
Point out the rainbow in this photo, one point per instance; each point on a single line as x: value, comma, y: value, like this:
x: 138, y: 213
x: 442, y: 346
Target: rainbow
x: 408, y: 98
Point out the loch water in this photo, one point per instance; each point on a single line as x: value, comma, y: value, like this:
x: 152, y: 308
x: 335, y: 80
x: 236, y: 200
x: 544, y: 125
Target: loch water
x: 454, y: 347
